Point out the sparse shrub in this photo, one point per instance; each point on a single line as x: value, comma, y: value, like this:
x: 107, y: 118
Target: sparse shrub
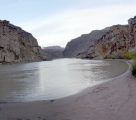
x: 133, y: 70
x: 108, y: 57
x: 131, y: 55
x: 112, y: 57
x: 127, y: 56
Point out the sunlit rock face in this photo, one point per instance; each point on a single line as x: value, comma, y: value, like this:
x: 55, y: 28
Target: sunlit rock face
x: 17, y: 45
x: 82, y: 43
x: 119, y: 39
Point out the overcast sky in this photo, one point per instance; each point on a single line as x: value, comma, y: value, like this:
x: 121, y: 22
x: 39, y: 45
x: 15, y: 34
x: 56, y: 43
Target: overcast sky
x: 56, y: 22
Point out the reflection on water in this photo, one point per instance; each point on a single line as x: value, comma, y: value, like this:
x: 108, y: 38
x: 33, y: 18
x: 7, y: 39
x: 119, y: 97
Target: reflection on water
x: 54, y: 79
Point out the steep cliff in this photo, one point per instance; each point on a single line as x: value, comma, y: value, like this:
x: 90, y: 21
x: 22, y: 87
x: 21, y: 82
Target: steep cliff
x: 82, y: 43
x: 119, y: 39
x: 17, y: 45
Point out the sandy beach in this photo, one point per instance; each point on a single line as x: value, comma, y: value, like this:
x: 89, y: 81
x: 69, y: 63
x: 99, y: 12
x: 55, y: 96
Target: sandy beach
x: 112, y: 100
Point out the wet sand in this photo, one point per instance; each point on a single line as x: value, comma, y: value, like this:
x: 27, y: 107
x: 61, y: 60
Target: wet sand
x: 113, y: 100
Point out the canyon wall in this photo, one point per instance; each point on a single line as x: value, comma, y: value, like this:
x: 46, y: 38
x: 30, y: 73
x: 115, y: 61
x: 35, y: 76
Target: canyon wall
x: 119, y: 40
x: 17, y: 45
x: 82, y: 43
x: 54, y: 51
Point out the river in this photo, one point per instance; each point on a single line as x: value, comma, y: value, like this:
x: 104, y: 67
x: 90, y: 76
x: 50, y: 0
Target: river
x: 59, y: 78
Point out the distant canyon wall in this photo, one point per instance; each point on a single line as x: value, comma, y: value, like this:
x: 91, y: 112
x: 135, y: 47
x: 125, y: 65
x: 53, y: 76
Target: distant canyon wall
x: 82, y: 43
x: 119, y: 39
x: 17, y: 45
x: 54, y: 51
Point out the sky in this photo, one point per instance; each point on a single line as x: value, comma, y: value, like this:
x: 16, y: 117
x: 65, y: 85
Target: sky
x: 56, y: 22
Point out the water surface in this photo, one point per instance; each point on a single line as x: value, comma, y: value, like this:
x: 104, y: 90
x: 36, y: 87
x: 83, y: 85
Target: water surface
x: 54, y: 79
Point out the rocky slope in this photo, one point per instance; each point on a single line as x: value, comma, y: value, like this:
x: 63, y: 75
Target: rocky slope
x: 82, y: 43
x: 120, y: 39
x: 54, y: 51
x: 17, y: 45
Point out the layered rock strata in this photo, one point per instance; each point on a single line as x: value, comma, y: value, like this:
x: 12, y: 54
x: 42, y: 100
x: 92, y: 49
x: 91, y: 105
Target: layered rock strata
x: 17, y: 45
x: 120, y: 39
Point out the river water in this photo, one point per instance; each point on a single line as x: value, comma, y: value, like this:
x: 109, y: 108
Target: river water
x: 54, y: 79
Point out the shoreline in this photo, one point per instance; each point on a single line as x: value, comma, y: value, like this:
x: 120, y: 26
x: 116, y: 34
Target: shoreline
x: 100, y: 102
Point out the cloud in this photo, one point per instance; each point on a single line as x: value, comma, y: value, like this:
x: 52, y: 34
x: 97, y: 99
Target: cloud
x: 69, y: 24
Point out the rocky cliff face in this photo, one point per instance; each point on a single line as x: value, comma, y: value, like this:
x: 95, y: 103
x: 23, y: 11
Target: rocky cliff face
x: 81, y: 44
x: 16, y: 45
x: 132, y: 26
x: 120, y: 39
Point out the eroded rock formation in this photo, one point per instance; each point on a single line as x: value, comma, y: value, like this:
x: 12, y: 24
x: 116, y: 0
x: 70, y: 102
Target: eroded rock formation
x: 119, y: 39
x: 17, y: 45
